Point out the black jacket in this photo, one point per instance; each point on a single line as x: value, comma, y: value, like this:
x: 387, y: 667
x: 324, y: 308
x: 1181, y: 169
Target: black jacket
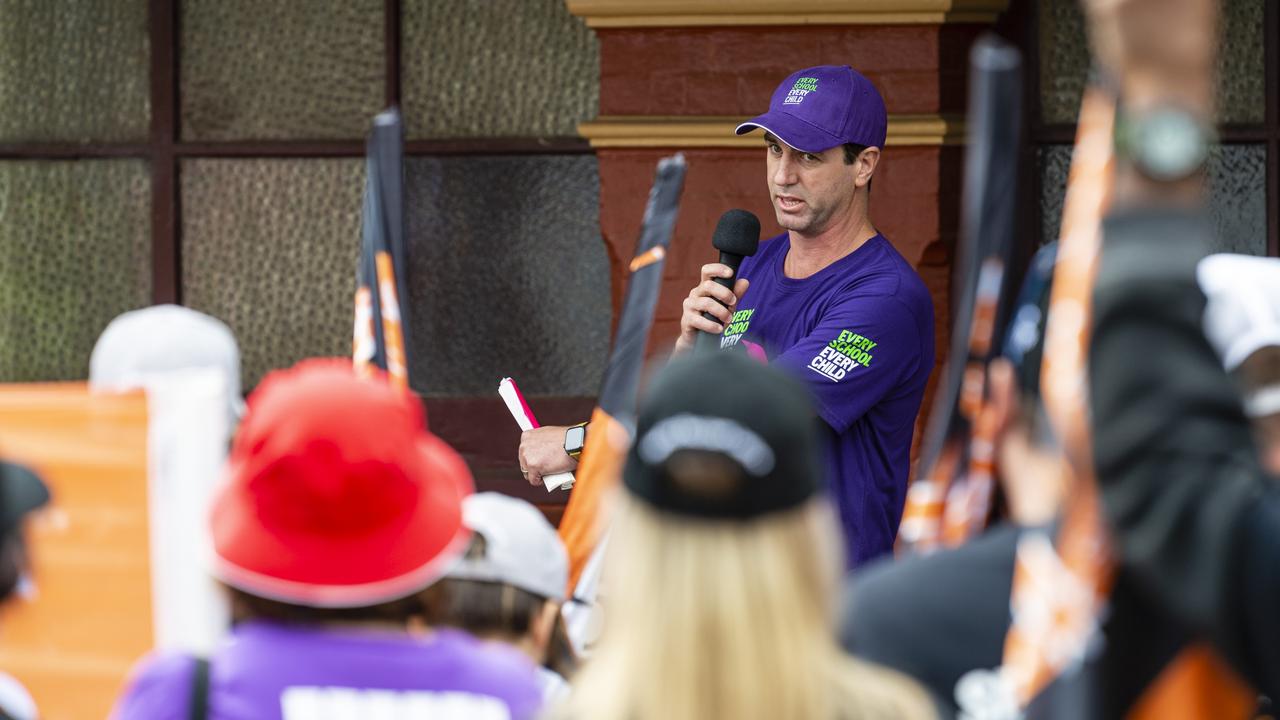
x: 1196, y: 520
x: 943, y: 616
x: 1196, y: 524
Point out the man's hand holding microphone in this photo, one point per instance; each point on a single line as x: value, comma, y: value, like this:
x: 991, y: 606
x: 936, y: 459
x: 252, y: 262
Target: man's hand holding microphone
x: 710, y: 304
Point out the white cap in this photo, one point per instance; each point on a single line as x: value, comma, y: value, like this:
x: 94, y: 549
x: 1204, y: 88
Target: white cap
x: 521, y: 547
x: 162, y: 339
x: 1242, y: 316
x: 1243, y: 312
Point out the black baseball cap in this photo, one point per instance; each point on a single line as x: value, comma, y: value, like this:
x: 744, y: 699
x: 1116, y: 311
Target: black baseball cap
x: 724, y: 436
x: 21, y: 492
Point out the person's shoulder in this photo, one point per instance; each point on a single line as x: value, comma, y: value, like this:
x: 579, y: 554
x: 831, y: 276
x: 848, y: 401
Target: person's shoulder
x: 501, y: 670
x: 560, y: 711
x: 496, y: 658
x: 771, y: 244
x: 934, y: 617
x: 869, y: 690
x: 555, y: 689
x: 888, y: 596
x: 157, y: 688
x: 910, y: 284
x: 888, y: 281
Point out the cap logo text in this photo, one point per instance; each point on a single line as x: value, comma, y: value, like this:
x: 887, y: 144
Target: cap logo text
x: 800, y: 90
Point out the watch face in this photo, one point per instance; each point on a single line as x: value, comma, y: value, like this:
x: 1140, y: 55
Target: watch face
x: 1170, y: 146
x: 574, y: 438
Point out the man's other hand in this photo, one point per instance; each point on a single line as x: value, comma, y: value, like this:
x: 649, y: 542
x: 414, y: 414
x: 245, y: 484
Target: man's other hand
x: 710, y: 297
x: 542, y: 453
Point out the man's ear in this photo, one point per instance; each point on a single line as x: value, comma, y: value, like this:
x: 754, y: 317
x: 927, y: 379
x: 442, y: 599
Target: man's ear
x: 865, y: 166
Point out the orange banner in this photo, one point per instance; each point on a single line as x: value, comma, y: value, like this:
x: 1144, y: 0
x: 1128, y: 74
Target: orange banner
x: 74, y: 642
x: 598, y: 476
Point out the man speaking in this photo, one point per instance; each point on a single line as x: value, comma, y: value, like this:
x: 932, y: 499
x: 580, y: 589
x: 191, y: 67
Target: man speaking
x: 830, y: 299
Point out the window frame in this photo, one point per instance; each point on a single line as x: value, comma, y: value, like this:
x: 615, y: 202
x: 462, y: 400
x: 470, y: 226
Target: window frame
x: 1026, y: 25
x: 164, y: 149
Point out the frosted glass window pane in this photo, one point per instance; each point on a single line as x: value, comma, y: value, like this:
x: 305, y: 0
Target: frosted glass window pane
x: 1064, y: 61
x: 509, y: 274
x: 1237, y: 195
x: 270, y: 247
x: 75, y: 251
x: 490, y: 68
x: 281, y: 70
x: 74, y: 71
x: 1238, y: 198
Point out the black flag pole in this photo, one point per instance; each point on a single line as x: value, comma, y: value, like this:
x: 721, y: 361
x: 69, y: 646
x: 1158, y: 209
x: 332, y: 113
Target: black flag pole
x: 986, y: 242
x: 613, y: 422
x: 380, y: 340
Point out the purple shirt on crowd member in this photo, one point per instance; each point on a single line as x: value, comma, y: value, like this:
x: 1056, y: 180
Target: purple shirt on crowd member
x: 859, y: 333
x: 269, y: 671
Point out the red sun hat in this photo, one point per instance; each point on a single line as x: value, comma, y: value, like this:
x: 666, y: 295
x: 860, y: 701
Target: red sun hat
x: 336, y: 495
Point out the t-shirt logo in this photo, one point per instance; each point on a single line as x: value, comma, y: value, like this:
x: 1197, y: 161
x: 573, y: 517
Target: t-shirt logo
x: 338, y: 703
x: 736, y: 328
x: 802, y: 88
x: 846, y: 352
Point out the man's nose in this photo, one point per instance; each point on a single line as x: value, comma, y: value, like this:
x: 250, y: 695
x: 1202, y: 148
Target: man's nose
x: 784, y: 172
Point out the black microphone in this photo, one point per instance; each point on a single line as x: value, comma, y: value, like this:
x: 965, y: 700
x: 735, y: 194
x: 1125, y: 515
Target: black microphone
x: 737, y: 236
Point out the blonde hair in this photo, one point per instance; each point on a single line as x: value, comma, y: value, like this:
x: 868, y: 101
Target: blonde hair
x: 722, y: 619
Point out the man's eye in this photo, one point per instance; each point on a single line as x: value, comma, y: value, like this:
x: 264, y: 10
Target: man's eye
x: 810, y: 157
x: 775, y: 149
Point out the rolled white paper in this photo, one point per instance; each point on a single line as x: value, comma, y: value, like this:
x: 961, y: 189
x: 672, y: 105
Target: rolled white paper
x: 523, y: 415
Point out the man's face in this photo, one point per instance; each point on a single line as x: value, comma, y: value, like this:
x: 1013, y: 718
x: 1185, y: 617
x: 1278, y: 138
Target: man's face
x: 810, y: 191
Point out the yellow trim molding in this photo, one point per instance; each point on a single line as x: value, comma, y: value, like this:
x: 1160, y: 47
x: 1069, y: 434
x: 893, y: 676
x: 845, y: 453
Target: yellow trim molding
x: 682, y: 13
x: 639, y: 131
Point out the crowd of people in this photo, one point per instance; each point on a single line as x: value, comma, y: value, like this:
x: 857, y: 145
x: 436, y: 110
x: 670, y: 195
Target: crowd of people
x: 749, y: 570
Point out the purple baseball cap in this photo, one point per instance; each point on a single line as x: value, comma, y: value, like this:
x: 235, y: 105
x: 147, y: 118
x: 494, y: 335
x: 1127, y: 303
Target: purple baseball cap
x: 821, y: 107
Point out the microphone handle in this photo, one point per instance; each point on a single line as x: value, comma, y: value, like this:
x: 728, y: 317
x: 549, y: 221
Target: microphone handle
x: 709, y: 342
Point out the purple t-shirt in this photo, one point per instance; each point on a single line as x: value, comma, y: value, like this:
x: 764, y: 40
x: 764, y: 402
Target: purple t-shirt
x: 859, y: 334
x: 267, y: 671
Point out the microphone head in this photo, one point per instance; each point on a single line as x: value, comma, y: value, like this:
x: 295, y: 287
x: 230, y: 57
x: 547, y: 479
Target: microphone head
x: 737, y: 233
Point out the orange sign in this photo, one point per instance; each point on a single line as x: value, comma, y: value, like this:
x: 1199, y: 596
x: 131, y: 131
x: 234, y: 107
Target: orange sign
x: 74, y: 642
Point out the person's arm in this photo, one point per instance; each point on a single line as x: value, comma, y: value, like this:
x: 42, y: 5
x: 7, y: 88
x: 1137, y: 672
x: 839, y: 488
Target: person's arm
x: 1193, y: 515
x: 159, y: 688
x: 542, y: 449
x: 858, y: 353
